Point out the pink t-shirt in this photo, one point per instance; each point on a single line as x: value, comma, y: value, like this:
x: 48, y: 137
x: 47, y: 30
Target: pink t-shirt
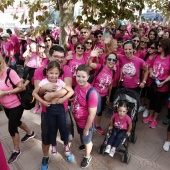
x: 130, y: 71
x: 9, y: 101
x: 140, y: 54
x: 71, y: 48
x: 38, y: 75
x: 100, y: 45
x: 59, y: 84
x: 33, y: 61
x: 73, y: 64
x: 161, y: 70
x: 103, y: 80
x: 8, y: 46
x: 80, y: 106
x: 121, y: 123
x: 14, y: 39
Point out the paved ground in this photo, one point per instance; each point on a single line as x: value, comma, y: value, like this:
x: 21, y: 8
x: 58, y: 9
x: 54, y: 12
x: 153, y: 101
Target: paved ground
x: 146, y: 153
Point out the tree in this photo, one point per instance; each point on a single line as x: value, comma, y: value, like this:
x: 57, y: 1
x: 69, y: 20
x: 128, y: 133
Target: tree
x: 94, y: 11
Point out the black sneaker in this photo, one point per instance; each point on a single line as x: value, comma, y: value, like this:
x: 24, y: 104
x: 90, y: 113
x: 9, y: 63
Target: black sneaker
x: 85, y: 162
x: 82, y: 147
x: 14, y: 157
x: 44, y: 165
x: 27, y: 137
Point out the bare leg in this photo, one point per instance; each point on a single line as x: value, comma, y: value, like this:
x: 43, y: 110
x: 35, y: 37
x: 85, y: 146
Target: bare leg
x: 151, y: 113
x: 88, y: 149
x: 45, y: 149
x: 155, y: 116
x: 24, y: 127
x: 16, y: 140
x: 98, y: 120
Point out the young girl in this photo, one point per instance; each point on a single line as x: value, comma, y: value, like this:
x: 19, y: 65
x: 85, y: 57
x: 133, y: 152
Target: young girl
x: 55, y: 109
x: 121, y: 125
x: 32, y: 61
x: 84, y: 111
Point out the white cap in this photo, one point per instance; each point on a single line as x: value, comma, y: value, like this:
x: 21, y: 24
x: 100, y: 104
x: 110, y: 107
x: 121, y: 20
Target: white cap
x: 5, y: 35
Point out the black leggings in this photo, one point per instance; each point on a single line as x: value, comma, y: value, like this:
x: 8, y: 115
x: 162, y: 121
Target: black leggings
x: 14, y: 119
x: 103, y: 105
x: 28, y: 73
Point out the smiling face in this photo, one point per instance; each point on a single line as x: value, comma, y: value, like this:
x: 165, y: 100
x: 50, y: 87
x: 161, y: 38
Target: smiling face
x: 136, y: 40
x: 81, y: 78
x: 152, y: 49
x: 53, y: 74
x: 79, y: 49
x: 88, y: 44
x: 57, y: 56
x: 129, y: 51
x: 111, y: 61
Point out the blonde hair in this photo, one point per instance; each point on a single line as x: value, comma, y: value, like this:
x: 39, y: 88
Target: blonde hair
x: 2, y: 62
x: 108, y: 45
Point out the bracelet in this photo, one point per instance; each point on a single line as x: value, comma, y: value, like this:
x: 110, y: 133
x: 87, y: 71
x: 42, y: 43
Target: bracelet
x: 9, y: 92
x: 144, y: 81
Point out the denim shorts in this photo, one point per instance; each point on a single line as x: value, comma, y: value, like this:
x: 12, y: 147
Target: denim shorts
x: 85, y: 139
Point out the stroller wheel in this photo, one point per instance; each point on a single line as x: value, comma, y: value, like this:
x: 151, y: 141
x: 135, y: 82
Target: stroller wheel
x: 126, y: 158
x: 133, y: 139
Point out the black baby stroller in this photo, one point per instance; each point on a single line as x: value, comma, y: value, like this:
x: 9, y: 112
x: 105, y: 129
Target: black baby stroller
x: 132, y: 97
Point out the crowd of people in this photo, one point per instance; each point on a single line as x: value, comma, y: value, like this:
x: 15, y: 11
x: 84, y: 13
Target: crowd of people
x: 134, y: 56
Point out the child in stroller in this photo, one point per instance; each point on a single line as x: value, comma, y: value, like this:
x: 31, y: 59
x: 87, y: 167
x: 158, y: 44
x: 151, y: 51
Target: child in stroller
x: 120, y: 126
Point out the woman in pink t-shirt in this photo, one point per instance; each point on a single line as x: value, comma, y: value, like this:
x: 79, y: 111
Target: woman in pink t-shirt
x: 160, y: 72
x: 103, y: 81
x: 13, y: 108
x: 76, y: 59
x: 131, y: 66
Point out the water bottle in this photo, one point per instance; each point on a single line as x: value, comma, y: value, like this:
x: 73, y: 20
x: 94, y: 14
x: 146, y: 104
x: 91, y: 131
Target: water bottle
x: 157, y: 81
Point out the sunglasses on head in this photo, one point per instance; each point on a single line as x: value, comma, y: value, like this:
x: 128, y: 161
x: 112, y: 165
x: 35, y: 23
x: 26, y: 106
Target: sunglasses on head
x: 83, y: 32
x: 112, y: 60
x: 136, y: 40
x: 48, y: 40
x: 88, y: 42
x: 41, y: 46
x: 80, y: 48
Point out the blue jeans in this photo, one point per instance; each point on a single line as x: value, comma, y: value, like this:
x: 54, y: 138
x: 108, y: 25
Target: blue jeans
x: 116, y: 137
x: 57, y: 120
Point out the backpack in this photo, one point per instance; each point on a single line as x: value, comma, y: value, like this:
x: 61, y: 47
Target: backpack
x: 93, y: 76
x: 99, y: 98
x: 25, y: 97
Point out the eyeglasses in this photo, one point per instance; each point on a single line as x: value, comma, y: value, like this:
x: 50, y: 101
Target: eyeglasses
x: 47, y: 40
x: 56, y: 56
x: 83, y: 32
x: 41, y: 46
x: 136, y: 40
x: 112, y: 60
x: 87, y: 42
x: 153, y: 48
x: 80, y: 48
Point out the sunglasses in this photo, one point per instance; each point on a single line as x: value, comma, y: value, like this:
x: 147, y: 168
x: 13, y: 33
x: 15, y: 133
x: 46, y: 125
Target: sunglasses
x: 83, y: 32
x: 41, y: 46
x: 159, y: 45
x: 88, y: 42
x: 136, y: 40
x: 80, y: 48
x: 98, y: 36
x: 112, y: 60
x: 47, y: 40
x: 153, y: 48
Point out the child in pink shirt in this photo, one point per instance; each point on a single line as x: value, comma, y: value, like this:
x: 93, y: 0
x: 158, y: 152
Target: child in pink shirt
x: 55, y: 109
x: 84, y: 111
x: 121, y: 124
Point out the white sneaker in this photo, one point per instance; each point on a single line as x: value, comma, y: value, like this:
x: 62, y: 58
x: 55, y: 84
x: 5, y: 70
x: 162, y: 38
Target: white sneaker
x: 107, y: 150
x: 146, y: 113
x: 54, y: 151
x: 112, y: 152
x: 141, y: 108
x: 166, y: 146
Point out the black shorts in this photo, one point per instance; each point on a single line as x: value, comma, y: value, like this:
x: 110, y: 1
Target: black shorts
x: 85, y: 139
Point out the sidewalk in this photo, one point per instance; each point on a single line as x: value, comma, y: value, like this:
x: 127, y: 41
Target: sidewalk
x: 146, y: 153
